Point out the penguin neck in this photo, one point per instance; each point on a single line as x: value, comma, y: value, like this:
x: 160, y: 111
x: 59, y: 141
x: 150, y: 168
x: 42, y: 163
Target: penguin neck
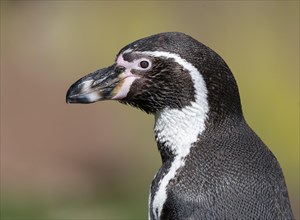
x: 177, y: 129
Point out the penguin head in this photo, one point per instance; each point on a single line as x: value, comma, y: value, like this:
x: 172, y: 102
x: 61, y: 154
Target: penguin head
x: 164, y: 71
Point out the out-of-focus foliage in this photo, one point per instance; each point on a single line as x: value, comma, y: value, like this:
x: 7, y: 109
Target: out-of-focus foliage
x: 97, y: 161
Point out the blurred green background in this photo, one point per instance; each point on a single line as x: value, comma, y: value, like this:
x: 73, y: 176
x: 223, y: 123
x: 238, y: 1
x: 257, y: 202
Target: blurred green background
x: 97, y: 161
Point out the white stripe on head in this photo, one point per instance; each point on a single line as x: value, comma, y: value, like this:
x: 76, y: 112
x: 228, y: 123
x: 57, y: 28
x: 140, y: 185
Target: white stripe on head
x: 179, y: 129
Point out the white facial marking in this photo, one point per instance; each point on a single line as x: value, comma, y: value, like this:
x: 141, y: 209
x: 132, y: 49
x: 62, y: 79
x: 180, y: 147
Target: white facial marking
x: 135, y: 64
x: 179, y: 129
x: 128, y: 77
x: 127, y: 51
x: 122, y: 93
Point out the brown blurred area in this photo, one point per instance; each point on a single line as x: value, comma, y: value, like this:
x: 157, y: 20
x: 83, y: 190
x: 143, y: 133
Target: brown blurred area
x: 97, y: 161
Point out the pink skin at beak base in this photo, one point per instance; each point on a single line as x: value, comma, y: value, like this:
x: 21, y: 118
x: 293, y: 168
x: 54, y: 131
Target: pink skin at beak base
x: 127, y: 79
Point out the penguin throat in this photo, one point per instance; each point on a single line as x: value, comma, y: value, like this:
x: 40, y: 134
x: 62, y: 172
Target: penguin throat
x: 177, y: 129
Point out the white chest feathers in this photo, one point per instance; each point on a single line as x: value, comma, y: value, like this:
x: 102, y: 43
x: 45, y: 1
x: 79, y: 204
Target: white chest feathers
x: 178, y: 129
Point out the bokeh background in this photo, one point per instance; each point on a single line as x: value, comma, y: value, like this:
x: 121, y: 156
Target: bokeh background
x: 97, y: 161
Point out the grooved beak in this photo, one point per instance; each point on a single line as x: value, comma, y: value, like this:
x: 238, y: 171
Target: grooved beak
x: 99, y: 85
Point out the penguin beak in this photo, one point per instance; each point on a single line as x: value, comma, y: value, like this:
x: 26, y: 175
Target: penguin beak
x: 99, y: 85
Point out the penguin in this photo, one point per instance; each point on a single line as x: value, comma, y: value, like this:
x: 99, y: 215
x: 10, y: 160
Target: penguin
x: 214, y: 166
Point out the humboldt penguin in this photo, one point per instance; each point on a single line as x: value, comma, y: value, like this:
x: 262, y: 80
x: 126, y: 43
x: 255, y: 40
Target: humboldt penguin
x: 214, y: 166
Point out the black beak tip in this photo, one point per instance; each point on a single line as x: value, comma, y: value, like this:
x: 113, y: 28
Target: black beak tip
x: 71, y: 94
x: 68, y: 100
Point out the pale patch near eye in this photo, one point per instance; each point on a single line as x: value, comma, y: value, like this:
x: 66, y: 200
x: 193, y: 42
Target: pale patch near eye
x: 135, y: 64
x: 143, y: 64
x: 127, y: 78
x: 123, y: 88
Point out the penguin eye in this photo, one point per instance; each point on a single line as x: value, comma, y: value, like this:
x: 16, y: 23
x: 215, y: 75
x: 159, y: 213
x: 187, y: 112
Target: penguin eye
x: 144, y: 64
